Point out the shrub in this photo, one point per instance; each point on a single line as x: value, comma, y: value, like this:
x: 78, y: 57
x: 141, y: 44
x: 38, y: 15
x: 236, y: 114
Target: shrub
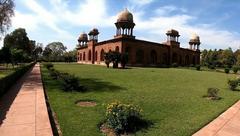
x: 54, y: 73
x: 174, y: 65
x: 191, y: 65
x: 213, y: 93
x: 70, y: 82
x: 227, y: 70
x: 8, y: 81
x: 48, y: 65
x: 233, y: 84
x: 122, y: 117
x: 211, y: 66
x: 198, y: 67
x: 235, y: 69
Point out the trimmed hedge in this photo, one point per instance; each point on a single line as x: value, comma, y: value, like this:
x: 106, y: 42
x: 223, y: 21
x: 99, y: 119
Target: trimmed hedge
x: 8, y: 81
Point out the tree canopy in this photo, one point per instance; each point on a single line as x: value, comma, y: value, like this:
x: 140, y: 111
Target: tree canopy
x: 6, y: 12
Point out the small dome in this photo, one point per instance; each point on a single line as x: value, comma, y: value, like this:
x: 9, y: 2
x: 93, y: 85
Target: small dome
x: 94, y: 31
x: 125, y: 16
x: 195, y: 37
x: 172, y: 32
x: 83, y: 37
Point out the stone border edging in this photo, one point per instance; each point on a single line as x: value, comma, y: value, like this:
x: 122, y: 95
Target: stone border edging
x: 52, y: 115
x: 215, y: 126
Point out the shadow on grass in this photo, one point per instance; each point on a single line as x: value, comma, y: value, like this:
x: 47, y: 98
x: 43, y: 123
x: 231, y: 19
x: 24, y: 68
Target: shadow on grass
x: 135, y: 125
x: 98, y: 85
x: 89, y: 84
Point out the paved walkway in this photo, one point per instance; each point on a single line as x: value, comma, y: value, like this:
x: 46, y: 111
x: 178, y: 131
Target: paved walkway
x: 227, y: 124
x: 23, y: 111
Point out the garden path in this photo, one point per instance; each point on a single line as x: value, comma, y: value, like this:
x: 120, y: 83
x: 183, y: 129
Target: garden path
x: 23, y: 110
x: 227, y: 124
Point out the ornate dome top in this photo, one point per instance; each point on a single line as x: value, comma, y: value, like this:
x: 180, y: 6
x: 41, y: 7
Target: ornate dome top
x: 172, y: 32
x: 94, y: 31
x: 125, y: 16
x: 195, y: 37
x: 83, y: 37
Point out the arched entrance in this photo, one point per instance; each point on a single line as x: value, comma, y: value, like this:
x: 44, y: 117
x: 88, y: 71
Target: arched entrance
x: 89, y: 55
x: 102, y: 55
x: 84, y: 56
x: 186, y: 60
x: 153, y: 55
x: 139, y: 56
x: 175, y: 58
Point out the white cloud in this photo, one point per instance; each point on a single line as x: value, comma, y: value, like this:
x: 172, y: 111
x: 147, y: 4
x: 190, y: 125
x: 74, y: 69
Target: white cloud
x: 211, y: 36
x: 93, y: 13
x: 141, y: 2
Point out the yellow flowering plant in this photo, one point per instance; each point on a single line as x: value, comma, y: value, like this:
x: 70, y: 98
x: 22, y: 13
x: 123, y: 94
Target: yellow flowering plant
x: 122, y: 117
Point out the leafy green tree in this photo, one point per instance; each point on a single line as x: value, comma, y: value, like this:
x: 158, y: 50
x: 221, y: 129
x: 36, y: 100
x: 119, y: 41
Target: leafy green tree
x: 18, y: 39
x: 46, y: 53
x: 228, y: 58
x: 5, y: 55
x: 37, y: 52
x: 6, y: 12
x: 58, y: 50
x: 70, y: 56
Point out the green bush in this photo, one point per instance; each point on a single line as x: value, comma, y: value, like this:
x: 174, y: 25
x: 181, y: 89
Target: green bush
x: 198, y: 67
x: 235, y: 69
x: 70, y: 82
x: 8, y: 81
x: 226, y: 70
x: 191, y: 65
x: 213, y: 93
x: 122, y: 117
x: 48, y: 65
x: 233, y: 84
x: 54, y: 73
x: 174, y: 65
x: 211, y: 66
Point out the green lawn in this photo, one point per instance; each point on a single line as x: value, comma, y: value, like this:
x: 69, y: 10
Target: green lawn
x: 170, y: 98
x: 5, y: 72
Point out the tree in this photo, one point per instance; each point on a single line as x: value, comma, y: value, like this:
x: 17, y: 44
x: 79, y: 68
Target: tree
x: 37, y: 51
x: 46, y: 53
x: 115, y: 58
x: 5, y: 55
x: 228, y: 57
x: 18, y: 39
x: 58, y: 49
x: 70, y: 56
x: 6, y: 12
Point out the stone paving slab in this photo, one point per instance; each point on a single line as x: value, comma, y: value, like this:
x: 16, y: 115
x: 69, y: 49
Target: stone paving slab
x: 23, y: 110
x: 227, y: 124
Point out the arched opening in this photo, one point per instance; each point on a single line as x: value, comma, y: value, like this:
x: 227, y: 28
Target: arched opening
x: 96, y: 56
x: 180, y: 60
x: 89, y: 55
x: 139, y: 56
x: 84, y: 56
x: 117, y: 49
x: 128, y: 52
x: 153, y: 57
x: 102, y: 55
x: 165, y: 58
x: 80, y: 56
x: 194, y: 60
x: 186, y: 60
x: 175, y: 58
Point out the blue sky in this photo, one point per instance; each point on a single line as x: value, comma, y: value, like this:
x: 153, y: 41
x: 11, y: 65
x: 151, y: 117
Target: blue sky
x: 215, y: 21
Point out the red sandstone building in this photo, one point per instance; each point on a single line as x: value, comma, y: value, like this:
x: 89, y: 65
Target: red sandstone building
x: 140, y: 52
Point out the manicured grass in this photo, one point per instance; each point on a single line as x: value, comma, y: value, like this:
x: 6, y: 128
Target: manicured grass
x: 170, y: 98
x: 5, y: 72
